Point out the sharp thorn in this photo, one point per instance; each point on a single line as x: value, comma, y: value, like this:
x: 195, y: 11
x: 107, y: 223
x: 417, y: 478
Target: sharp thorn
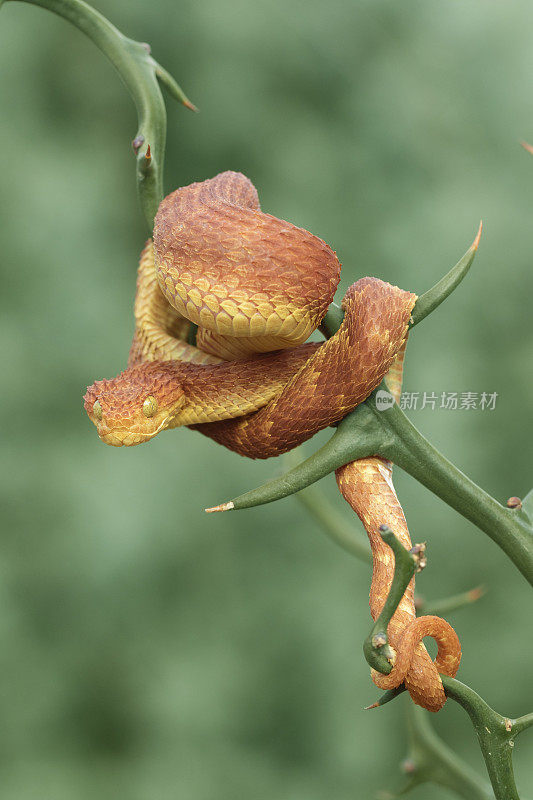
x: 339, y: 450
x: 431, y: 299
x: 173, y: 88
x: 148, y: 155
x: 191, y: 106
x: 221, y: 507
x: 390, y: 694
x: 374, y: 705
x: 527, y: 147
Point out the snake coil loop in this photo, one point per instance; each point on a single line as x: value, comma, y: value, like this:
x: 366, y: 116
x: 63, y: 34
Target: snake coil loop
x: 257, y: 287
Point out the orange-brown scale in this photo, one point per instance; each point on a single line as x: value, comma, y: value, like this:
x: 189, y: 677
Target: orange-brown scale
x: 236, y: 271
x: 367, y: 486
x: 160, y: 332
x: 340, y: 375
x: 187, y: 393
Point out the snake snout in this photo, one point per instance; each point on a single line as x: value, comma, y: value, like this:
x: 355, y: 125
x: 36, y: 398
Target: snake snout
x: 132, y: 433
x: 135, y: 406
x: 109, y: 437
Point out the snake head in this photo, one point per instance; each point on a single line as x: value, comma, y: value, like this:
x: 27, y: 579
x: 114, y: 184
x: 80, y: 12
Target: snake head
x: 136, y: 405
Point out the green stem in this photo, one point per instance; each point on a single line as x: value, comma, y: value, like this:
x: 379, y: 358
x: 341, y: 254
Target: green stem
x: 430, y: 760
x: 367, y: 431
x: 412, y: 451
x: 522, y: 723
x: 376, y: 648
x: 496, y: 735
x: 388, y: 696
x: 140, y: 73
x: 339, y: 450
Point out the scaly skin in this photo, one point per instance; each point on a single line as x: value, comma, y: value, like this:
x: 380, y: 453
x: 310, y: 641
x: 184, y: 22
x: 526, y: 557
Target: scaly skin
x: 255, y: 284
x: 367, y: 486
x: 160, y: 332
x: 339, y: 375
x: 239, y: 273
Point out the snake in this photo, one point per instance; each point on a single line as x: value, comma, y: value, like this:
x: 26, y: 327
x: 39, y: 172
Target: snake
x: 227, y: 298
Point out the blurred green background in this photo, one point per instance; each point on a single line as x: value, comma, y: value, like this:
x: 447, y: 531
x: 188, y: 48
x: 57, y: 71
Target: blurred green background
x: 149, y: 651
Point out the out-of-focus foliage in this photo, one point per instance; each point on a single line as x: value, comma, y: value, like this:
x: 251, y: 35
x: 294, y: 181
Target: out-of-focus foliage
x: 149, y: 651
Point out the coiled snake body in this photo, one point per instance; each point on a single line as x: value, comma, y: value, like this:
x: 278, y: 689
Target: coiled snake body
x: 257, y: 287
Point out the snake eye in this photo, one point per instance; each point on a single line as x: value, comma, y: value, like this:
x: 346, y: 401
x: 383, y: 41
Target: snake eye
x: 97, y: 410
x: 150, y: 406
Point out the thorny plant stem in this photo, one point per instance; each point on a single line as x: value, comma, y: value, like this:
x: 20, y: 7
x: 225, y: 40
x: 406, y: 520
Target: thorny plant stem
x: 376, y: 648
x: 140, y: 72
x: 496, y: 735
x: 430, y: 760
x: 367, y: 431
x: 412, y: 452
x: 389, y: 433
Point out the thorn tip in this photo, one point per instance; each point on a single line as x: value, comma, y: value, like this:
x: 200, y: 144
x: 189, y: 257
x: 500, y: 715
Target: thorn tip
x: 221, y: 507
x: 187, y: 103
x: 475, y: 243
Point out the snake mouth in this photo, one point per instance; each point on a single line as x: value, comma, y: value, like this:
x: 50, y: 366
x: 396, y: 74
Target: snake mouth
x: 127, y: 437
x: 114, y: 438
